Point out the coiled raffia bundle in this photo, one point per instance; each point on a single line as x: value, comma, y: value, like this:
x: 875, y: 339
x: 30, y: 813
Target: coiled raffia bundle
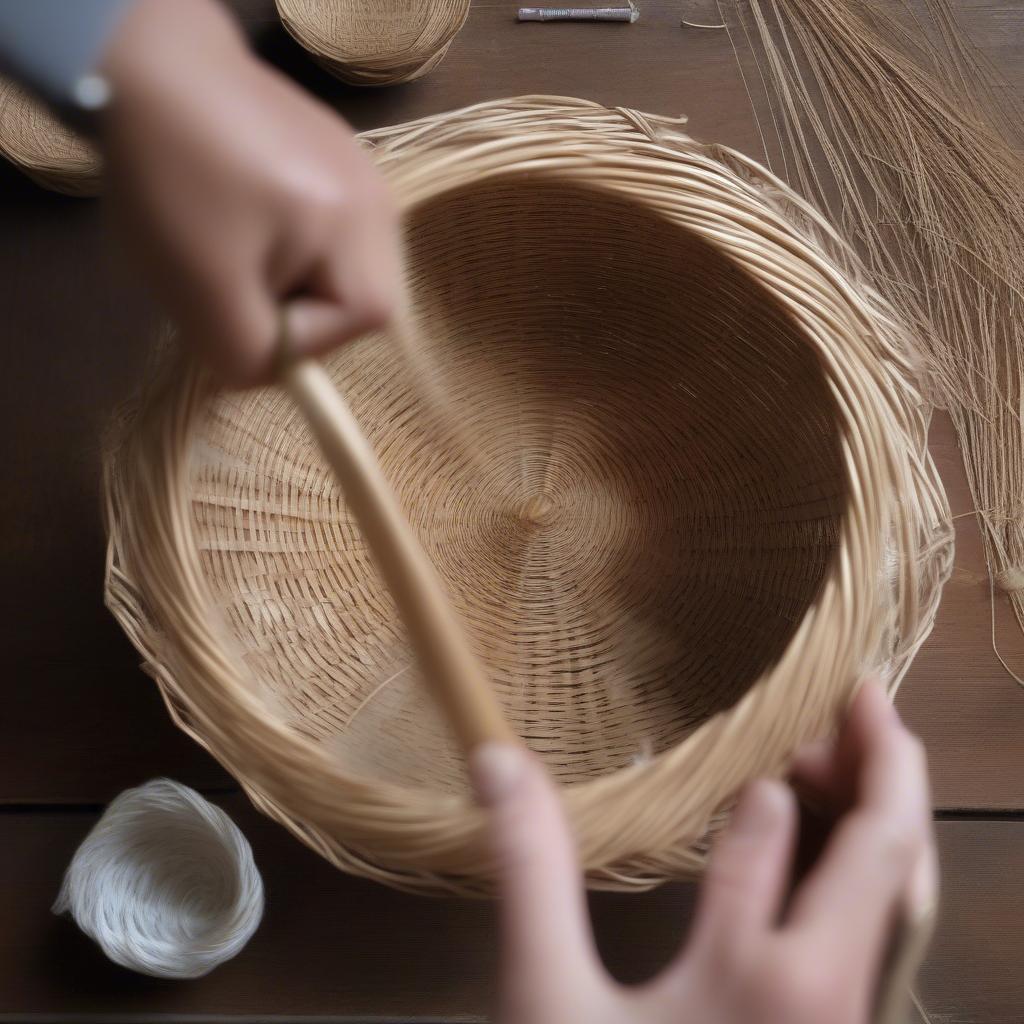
x: 38, y: 144
x: 697, y: 508
x: 375, y: 42
x: 165, y: 883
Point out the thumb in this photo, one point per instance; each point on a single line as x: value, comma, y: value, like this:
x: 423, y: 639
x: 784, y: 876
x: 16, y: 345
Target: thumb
x: 317, y: 325
x: 545, y: 929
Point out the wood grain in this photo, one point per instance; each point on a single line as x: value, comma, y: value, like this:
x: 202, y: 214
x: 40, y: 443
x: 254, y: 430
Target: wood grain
x: 79, y: 720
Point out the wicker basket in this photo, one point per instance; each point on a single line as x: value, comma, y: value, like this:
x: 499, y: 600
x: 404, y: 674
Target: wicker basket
x: 43, y: 147
x: 697, y: 509
x: 375, y: 42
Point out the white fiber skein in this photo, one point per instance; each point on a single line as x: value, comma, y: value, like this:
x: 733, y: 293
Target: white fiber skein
x: 165, y: 883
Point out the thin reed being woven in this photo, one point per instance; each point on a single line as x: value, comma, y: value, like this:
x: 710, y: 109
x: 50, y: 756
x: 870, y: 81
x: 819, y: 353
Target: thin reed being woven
x: 375, y: 42
x: 45, y: 149
x: 698, y: 506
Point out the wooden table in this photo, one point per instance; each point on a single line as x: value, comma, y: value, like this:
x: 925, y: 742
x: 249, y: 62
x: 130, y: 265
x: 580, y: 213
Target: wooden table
x: 80, y: 722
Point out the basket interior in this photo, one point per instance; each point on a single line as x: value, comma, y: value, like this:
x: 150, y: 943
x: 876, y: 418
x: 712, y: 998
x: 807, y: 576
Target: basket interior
x: 649, y: 504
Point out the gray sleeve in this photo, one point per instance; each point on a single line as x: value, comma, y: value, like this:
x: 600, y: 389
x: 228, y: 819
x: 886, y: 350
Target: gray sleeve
x: 50, y: 44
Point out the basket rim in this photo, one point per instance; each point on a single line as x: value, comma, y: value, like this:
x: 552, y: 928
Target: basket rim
x: 724, y: 201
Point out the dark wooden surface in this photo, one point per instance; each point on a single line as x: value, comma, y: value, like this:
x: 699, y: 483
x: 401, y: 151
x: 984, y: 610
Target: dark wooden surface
x: 79, y: 722
x: 333, y: 946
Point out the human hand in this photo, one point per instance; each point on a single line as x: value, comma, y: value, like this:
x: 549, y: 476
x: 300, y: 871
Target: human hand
x: 753, y: 956
x: 239, y: 192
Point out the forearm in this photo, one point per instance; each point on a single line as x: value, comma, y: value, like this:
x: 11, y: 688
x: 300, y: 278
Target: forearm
x: 135, y: 47
x: 165, y: 47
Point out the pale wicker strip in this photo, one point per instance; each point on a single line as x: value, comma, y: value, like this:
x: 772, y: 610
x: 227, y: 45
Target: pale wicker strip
x: 45, y: 149
x: 697, y: 508
x: 375, y: 42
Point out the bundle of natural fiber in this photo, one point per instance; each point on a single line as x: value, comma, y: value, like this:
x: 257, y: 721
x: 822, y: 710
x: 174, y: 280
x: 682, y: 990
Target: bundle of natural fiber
x: 697, y: 507
x: 375, y: 42
x: 165, y: 883
x: 891, y: 122
x: 49, y: 152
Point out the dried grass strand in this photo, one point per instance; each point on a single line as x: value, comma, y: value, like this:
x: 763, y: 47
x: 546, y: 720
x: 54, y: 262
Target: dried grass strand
x: 900, y: 130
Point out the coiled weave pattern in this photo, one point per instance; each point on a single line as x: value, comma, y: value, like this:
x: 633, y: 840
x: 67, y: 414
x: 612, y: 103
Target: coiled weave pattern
x: 165, y: 883
x: 697, y: 507
x: 375, y: 42
x: 38, y: 144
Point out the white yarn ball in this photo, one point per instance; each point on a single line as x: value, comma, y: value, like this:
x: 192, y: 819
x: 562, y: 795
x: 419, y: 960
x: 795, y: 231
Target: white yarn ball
x: 165, y: 883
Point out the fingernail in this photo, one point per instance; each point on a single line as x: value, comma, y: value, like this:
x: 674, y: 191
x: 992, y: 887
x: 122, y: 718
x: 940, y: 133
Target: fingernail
x: 923, y: 888
x: 496, y: 770
x: 760, y: 807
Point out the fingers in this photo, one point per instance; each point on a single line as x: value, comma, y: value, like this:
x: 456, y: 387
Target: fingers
x: 316, y: 325
x: 357, y: 271
x: 235, y: 322
x: 813, y: 772
x: 826, y: 953
x: 334, y: 262
x: 238, y: 321
x: 747, y: 877
x: 545, y: 928
x: 846, y: 905
x: 242, y: 193
x: 828, y: 769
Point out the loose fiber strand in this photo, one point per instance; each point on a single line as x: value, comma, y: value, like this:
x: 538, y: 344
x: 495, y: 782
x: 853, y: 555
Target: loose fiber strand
x: 923, y: 183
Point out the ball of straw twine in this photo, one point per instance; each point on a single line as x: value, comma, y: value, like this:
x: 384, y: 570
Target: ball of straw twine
x: 165, y: 883
x: 46, y: 150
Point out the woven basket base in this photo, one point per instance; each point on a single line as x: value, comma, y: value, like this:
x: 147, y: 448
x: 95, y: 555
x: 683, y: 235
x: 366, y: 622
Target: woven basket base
x: 650, y: 509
